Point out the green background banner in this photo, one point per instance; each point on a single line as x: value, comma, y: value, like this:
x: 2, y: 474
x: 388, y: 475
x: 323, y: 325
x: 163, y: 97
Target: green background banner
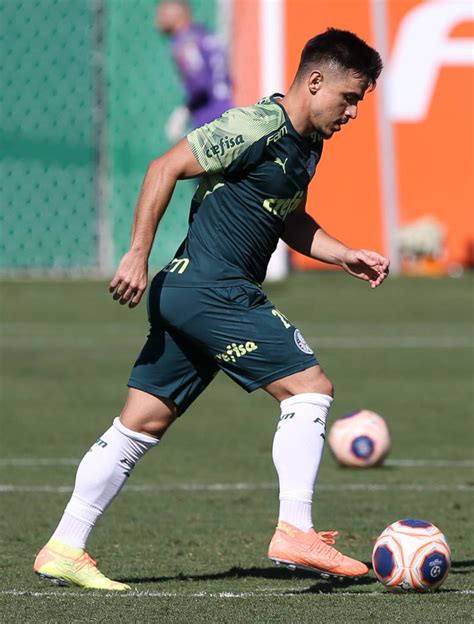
x: 47, y: 169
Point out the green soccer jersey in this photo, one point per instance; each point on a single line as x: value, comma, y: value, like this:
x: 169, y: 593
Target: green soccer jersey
x: 257, y: 171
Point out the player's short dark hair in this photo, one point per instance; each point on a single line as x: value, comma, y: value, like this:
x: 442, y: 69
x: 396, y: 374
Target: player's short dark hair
x: 342, y: 48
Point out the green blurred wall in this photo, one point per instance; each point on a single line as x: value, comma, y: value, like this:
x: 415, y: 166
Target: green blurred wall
x: 48, y: 91
x: 48, y: 214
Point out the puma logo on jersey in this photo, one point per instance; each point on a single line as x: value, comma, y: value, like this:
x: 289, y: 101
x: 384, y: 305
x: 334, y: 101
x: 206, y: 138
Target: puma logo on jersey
x: 281, y: 163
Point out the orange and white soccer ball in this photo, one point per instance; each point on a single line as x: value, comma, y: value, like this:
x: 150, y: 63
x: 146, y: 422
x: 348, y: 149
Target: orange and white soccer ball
x: 360, y: 439
x: 411, y: 555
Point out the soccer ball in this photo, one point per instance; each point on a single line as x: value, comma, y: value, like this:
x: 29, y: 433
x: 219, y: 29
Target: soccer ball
x: 359, y: 439
x: 411, y: 555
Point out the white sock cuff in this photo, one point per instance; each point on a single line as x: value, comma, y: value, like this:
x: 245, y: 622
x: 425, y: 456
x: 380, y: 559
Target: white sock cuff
x: 313, y: 398
x: 134, y: 435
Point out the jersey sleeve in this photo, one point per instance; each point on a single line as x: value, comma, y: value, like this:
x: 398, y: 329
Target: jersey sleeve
x: 236, y: 140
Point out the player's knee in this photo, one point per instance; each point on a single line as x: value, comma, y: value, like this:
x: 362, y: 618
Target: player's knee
x: 317, y: 382
x: 148, y: 414
x: 307, y: 381
x: 157, y: 426
x: 323, y: 385
x: 149, y: 425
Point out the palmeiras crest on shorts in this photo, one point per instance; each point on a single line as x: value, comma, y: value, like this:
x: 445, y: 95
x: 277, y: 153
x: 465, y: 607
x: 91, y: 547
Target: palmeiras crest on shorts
x: 301, y: 343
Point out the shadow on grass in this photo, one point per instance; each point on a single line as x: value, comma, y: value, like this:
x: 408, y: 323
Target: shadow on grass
x: 324, y: 585
x: 462, y: 567
x: 321, y: 585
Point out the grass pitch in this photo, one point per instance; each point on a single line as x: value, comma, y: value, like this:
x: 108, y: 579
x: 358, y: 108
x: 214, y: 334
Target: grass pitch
x: 190, y: 531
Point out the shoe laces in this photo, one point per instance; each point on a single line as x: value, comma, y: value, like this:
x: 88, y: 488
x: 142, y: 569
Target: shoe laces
x: 322, y: 546
x: 86, y: 561
x: 328, y: 537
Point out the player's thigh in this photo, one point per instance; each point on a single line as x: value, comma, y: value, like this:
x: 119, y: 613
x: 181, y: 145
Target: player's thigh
x: 172, y: 368
x: 243, y: 332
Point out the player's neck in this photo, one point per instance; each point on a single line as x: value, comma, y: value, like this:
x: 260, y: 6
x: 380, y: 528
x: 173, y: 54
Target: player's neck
x: 297, y: 110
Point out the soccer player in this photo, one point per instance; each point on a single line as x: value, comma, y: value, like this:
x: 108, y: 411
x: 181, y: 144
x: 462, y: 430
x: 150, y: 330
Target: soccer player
x: 208, y: 312
x: 202, y: 63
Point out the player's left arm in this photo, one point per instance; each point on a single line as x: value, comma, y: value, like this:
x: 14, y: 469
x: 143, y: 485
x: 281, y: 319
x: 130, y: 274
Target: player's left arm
x: 306, y: 236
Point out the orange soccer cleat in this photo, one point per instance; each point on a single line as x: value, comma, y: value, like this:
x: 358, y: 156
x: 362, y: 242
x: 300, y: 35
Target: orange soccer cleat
x: 311, y: 551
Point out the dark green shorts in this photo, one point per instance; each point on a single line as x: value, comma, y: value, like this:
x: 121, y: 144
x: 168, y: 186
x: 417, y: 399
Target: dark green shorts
x: 197, y: 331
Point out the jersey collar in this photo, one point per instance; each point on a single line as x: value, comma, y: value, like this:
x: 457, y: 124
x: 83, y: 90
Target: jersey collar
x: 306, y: 140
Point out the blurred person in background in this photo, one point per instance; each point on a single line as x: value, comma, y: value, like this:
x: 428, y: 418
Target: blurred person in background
x: 208, y: 312
x: 203, y: 66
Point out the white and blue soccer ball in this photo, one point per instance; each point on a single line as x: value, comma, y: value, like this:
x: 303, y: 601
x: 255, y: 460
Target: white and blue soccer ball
x: 360, y: 439
x: 411, y: 555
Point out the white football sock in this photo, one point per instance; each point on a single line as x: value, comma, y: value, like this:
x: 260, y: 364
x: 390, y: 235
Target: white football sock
x: 297, y: 449
x: 99, y: 478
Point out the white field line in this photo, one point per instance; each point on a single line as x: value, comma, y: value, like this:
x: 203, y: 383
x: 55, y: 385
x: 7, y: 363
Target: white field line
x: 399, y: 463
x: 203, y: 594
x: 39, y: 461
x: 6, y: 488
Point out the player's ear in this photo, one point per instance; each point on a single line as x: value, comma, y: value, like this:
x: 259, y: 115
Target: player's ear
x: 315, y: 79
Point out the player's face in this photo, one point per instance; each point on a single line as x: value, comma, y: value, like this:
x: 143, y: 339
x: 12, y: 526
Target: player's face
x: 167, y: 16
x: 334, y: 101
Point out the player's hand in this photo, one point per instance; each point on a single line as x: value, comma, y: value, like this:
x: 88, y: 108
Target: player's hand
x: 130, y: 280
x: 366, y: 265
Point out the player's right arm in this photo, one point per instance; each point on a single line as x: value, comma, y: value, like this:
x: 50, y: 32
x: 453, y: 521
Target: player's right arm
x: 307, y: 237
x: 179, y: 163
